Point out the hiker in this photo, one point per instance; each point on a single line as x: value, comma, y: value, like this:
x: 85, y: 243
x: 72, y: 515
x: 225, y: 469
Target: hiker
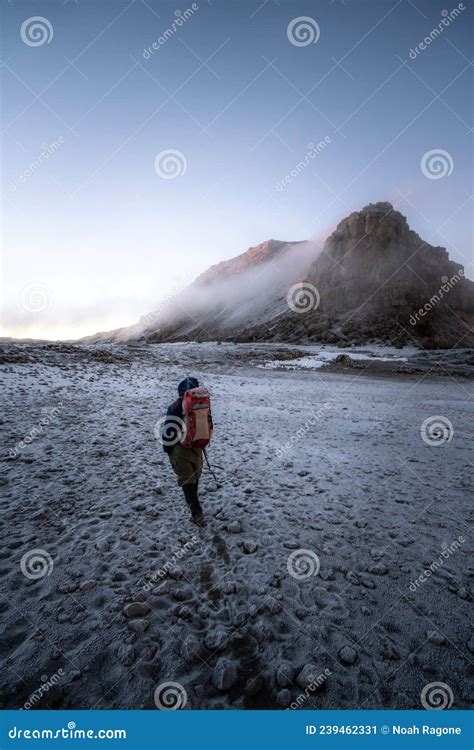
x: 185, y: 433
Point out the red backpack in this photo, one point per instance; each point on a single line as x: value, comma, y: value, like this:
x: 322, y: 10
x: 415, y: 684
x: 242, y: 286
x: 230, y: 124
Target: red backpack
x: 197, y: 418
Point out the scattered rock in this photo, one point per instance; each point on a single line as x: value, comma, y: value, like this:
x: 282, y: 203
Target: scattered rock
x: 284, y: 674
x: 378, y: 569
x: 348, y: 655
x: 102, y: 545
x: 87, y: 585
x: 283, y: 698
x: 272, y: 605
x: 216, y: 640
x: 235, y: 527
x: 435, y: 637
x: 161, y: 589
x: 327, y: 575
x: 344, y: 360
x: 229, y: 588
x: 139, y: 625
x: 250, y: 547
x: 308, y: 676
x: 126, y: 655
x: 224, y: 675
x: 118, y: 575
x: 136, y: 609
x: 253, y: 685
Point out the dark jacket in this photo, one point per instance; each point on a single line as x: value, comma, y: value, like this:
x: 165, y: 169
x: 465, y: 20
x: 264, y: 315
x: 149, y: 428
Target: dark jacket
x: 175, y: 413
x: 175, y: 410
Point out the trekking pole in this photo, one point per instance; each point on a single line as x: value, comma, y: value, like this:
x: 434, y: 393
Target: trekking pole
x: 209, y: 466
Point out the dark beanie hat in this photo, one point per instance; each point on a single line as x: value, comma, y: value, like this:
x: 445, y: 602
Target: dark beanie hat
x: 186, y: 384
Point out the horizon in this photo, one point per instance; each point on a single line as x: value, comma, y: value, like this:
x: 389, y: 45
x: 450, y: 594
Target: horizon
x: 129, y: 169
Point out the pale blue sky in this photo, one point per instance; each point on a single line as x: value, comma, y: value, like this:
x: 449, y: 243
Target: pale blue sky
x: 101, y: 237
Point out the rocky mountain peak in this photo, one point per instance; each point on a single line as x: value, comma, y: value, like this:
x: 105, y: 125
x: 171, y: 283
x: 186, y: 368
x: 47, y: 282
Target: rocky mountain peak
x: 254, y: 256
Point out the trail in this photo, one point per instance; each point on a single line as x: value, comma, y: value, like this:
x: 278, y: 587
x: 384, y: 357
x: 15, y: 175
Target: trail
x: 218, y: 610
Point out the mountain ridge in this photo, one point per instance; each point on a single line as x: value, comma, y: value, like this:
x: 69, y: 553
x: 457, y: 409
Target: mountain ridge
x: 375, y: 279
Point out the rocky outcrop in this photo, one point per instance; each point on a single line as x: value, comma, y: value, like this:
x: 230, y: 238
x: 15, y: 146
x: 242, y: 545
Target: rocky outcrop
x: 379, y: 280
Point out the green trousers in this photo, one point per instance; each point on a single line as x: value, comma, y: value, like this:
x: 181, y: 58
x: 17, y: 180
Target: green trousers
x: 186, y: 464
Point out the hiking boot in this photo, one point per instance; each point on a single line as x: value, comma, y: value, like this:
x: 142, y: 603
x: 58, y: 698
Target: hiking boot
x: 198, y: 519
x: 191, y: 495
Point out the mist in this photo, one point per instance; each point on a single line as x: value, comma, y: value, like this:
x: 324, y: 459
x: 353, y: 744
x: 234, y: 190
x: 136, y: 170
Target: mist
x: 233, y: 296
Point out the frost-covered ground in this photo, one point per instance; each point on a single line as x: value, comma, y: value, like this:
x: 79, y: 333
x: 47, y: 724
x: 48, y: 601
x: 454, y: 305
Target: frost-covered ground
x: 323, y: 473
